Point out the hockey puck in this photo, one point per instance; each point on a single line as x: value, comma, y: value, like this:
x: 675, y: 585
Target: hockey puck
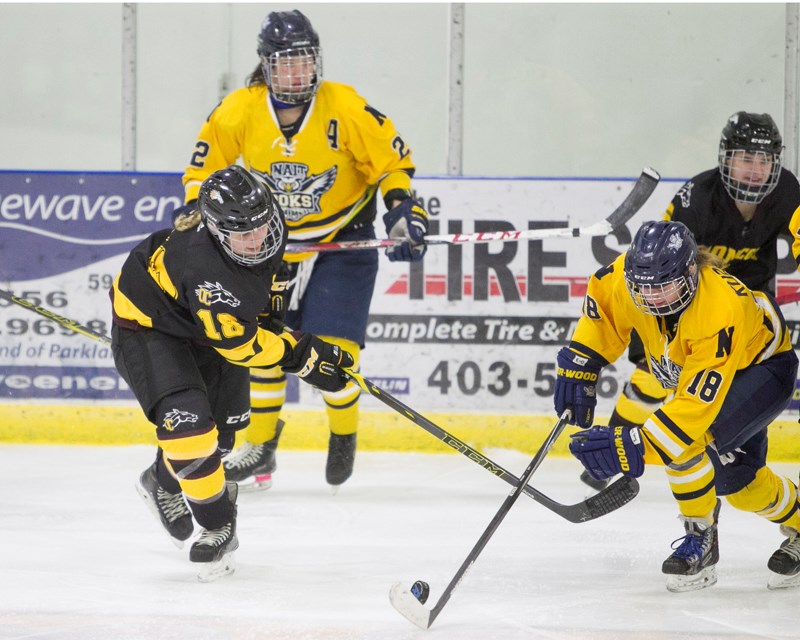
x: 421, y: 590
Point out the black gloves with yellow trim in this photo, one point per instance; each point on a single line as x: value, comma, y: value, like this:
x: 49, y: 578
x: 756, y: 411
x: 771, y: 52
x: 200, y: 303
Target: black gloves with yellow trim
x: 315, y: 361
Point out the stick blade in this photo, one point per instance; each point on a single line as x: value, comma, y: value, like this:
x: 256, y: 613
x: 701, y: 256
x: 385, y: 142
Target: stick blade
x: 408, y: 606
x: 641, y: 192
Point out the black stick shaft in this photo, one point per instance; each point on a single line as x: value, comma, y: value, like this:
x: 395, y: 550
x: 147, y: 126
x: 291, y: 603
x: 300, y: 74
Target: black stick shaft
x: 612, y: 497
x: 500, y: 515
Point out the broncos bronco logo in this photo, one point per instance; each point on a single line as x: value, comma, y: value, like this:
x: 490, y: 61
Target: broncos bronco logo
x: 685, y: 193
x: 210, y: 292
x: 176, y: 417
x: 298, y: 192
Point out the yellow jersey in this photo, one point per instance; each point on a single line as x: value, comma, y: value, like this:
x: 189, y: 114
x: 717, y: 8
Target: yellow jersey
x: 325, y: 176
x: 726, y: 328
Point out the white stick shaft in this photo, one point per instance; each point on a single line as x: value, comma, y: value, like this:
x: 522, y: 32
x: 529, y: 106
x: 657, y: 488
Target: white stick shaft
x: 633, y: 202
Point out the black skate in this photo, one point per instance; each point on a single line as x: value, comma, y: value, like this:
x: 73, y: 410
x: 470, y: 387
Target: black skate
x: 341, y: 456
x: 214, y: 547
x: 589, y: 481
x: 785, y: 562
x: 692, y: 565
x: 169, y: 508
x: 251, y: 466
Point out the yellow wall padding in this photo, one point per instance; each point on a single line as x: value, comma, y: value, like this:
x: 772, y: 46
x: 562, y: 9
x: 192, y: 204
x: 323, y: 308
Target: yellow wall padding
x: 308, y: 429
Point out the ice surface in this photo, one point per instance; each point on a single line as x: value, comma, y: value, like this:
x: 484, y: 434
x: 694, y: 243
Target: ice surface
x: 82, y: 558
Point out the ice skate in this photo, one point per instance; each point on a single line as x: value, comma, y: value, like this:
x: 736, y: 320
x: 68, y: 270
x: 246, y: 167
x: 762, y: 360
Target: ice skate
x: 341, y: 456
x: 785, y: 562
x: 595, y: 485
x: 692, y: 565
x: 214, y: 548
x: 251, y: 466
x: 169, y: 508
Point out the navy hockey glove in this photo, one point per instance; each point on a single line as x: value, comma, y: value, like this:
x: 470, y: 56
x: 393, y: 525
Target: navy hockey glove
x: 576, y: 386
x: 607, y: 451
x: 409, y: 222
x: 316, y: 362
x: 184, y: 210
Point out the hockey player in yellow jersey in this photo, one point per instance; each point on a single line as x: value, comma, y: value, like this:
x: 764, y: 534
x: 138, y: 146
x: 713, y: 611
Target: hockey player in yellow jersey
x: 326, y: 154
x: 738, y: 210
x: 724, y: 352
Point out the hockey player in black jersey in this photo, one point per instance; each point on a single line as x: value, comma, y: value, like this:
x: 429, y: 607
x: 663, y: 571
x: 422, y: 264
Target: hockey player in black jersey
x: 737, y: 211
x: 190, y: 310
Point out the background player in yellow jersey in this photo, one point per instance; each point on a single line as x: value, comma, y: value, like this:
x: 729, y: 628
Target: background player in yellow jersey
x: 737, y: 210
x: 186, y: 309
x: 325, y: 152
x: 724, y: 353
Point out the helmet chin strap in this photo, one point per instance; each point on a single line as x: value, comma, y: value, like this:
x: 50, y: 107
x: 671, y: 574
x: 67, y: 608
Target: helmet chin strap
x: 278, y: 105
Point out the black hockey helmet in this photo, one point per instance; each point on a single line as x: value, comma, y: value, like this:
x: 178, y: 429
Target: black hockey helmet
x: 661, y: 268
x: 285, y: 35
x: 754, y: 142
x: 242, y: 214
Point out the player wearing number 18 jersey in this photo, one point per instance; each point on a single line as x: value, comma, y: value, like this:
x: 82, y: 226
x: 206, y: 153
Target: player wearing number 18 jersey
x: 724, y: 353
x: 187, y: 327
x: 737, y: 211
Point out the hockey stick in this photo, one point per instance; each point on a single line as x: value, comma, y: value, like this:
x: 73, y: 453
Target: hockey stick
x: 409, y: 602
x: 614, y: 496
x: 642, y: 190
x: 72, y: 325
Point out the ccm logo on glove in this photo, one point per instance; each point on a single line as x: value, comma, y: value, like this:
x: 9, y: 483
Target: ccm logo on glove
x: 317, y: 362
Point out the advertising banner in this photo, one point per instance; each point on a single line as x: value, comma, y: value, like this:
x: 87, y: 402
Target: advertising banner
x: 471, y: 328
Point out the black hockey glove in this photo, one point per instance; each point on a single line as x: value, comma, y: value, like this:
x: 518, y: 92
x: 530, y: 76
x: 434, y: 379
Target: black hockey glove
x: 409, y: 222
x: 277, y: 297
x: 316, y: 362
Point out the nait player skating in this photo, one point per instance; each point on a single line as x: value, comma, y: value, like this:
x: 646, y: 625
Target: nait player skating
x: 325, y: 153
x: 724, y: 352
x: 737, y: 210
x: 188, y: 307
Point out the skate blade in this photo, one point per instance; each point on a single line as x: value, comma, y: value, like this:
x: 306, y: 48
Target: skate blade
x: 154, y: 510
x: 778, y: 581
x: 680, y: 584
x: 212, y: 571
x: 255, y: 483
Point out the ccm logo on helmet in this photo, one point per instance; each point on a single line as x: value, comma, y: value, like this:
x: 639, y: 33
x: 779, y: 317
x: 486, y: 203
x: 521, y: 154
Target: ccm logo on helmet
x: 578, y: 375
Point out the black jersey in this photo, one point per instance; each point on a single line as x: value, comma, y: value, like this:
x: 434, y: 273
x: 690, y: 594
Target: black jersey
x: 748, y: 248
x: 181, y: 283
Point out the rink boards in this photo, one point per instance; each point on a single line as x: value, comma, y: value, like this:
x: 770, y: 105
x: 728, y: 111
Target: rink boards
x: 468, y: 336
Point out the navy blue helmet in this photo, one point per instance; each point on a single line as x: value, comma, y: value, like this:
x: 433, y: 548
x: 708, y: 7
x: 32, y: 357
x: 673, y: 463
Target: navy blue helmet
x: 291, y: 58
x: 661, y: 268
x: 242, y: 214
x: 750, y: 156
